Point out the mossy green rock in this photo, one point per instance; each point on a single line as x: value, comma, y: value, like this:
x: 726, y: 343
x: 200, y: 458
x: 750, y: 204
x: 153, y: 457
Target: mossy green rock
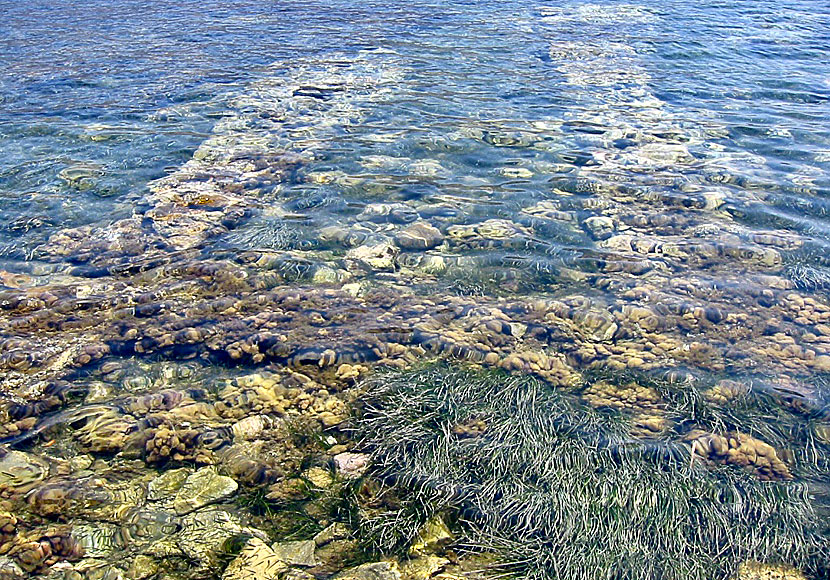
x: 167, y: 484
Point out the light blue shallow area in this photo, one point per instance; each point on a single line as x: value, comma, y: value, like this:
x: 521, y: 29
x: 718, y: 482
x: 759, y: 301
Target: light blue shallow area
x: 125, y: 91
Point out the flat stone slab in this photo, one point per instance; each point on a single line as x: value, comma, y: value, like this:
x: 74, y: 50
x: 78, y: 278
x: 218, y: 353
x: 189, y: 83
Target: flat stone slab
x: 167, y: 484
x: 300, y: 553
x: 202, y: 488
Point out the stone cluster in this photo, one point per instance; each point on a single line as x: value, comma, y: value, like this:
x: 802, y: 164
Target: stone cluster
x: 625, y: 255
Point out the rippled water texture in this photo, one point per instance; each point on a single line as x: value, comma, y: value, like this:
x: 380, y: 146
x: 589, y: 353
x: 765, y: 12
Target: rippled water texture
x: 220, y: 220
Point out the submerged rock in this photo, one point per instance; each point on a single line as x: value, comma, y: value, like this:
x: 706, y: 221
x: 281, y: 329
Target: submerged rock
x: 351, y: 465
x: 20, y: 471
x: 202, y: 488
x: 371, y: 571
x: 600, y: 227
x: 167, y: 484
x: 433, y: 535
x: 98, y: 540
x: 758, y: 571
x: 372, y: 257
x: 422, y: 567
x: 9, y: 569
x: 81, y: 176
x: 419, y: 236
x: 336, y: 531
x: 143, y: 567
x: 256, y: 561
x: 391, y: 212
x: 299, y: 553
x: 202, y: 537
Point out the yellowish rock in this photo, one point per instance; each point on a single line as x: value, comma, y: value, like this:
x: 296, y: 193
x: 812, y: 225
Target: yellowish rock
x: 143, y: 567
x: 203, y: 487
x: 319, y: 477
x: 256, y: 561
x: 372, y: 571
x: 422, y: 568
x: 758, y: 571
x: 433, y: 535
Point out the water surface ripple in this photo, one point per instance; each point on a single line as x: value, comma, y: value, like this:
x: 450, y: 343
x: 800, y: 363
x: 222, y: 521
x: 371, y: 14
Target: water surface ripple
x: 218, y: 218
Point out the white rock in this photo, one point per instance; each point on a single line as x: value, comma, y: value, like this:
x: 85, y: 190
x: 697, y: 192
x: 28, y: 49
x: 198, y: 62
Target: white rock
x: 373, y: 257
x: 351, y: 465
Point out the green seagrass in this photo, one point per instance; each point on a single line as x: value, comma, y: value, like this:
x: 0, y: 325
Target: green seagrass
x: 560, y: 490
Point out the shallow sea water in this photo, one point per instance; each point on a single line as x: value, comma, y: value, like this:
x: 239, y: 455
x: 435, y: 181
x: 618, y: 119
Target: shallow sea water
x: 220, y: 220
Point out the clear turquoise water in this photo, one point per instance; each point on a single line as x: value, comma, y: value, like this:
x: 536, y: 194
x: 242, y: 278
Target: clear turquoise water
x: 132, y: 88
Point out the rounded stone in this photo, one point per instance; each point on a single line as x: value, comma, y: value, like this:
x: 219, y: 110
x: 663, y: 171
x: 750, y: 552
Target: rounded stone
x: 351, y: 465
x: 600, y: 227
x: 167, y: 484
x: 419, y: 236
x: 19, y: 470
x: 296, y: 553
x: 822, y: 362
x: 379, y: 256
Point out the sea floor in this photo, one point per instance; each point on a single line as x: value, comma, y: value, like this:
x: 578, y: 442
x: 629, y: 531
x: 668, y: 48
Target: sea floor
x: 411, y: 311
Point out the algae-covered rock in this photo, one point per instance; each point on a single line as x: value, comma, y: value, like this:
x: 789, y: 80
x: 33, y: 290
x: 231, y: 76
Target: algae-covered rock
x: 143, y: 567
x: 336, y: 555
x: 422, y: 567
x: 328, y: 275
x: 371, y: 571
x: 202, y: 537
x: 167, y: 484
x: 318, y: 477
x: 759, y: 571
x: 433, y: 535
x: 202, y: 488
x: 256, y: 561
x: 299, y: 553
x: 741, y: 449
x: 336, y: 531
